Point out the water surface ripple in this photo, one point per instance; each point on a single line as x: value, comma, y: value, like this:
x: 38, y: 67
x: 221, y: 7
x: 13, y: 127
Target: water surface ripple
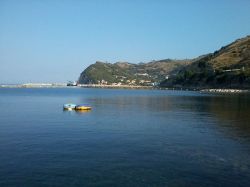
x: 130, y: 138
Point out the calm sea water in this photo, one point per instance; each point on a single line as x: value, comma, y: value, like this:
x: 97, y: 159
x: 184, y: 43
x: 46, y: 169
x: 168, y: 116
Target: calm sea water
x: 130, y: 138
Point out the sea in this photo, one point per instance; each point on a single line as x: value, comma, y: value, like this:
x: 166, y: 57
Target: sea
x: 129, y: 138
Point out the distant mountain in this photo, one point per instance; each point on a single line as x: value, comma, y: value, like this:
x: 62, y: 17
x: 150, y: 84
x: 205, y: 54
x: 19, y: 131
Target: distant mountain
x: 130, y: 74
x: 228, y: 67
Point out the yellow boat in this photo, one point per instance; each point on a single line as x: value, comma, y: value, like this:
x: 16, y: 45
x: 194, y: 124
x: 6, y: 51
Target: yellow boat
x: 82, y: 107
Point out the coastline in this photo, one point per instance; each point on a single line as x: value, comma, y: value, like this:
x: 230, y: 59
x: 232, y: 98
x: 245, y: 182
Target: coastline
x: 64, y: 85
x: 34, y: 85
x: 115, y: 86
x: 221, y: 90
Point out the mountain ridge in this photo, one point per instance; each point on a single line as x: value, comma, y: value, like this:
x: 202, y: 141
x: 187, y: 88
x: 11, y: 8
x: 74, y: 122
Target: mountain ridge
x: 226, y: 67
x: 129, y: 73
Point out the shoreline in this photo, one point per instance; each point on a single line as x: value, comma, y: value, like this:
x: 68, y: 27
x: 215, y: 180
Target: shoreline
x: 34, y: 85
x: 115, y: 86
x: 63, y: 85
x: 221, y: 90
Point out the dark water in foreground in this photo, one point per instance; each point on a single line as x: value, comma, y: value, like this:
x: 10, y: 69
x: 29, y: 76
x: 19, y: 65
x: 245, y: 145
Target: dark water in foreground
x: 130, y: 138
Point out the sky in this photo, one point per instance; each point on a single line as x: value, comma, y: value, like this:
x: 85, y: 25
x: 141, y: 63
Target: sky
x: 55, y: 40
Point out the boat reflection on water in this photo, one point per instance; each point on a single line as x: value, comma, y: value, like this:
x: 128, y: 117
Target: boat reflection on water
x: 80, y: 112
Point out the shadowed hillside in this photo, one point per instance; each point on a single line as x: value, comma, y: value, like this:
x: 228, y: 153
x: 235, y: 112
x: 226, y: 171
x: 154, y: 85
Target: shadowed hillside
x: 228, y: 67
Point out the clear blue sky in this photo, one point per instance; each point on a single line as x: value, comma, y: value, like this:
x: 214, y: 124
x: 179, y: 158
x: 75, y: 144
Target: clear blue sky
x: 54, y: 40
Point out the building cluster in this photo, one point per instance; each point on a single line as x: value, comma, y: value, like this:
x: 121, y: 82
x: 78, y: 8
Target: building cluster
x: 125, y: 81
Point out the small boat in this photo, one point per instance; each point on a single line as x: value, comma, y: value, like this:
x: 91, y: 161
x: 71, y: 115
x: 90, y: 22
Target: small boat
x: 69, y: 106
x: 82, y: 107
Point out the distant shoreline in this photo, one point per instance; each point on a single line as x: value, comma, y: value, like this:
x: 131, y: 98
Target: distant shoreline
x: 34, y: 85
x: 64, y: 85
x: 115, y: 86
x: 225, y: 91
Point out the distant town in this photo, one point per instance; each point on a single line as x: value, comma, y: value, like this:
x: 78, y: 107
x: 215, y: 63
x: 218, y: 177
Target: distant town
x: 72, y: 84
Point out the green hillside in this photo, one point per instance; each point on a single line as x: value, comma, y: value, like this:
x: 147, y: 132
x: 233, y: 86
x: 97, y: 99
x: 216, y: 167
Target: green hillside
x: 125, y: 73
x: 228, y: 67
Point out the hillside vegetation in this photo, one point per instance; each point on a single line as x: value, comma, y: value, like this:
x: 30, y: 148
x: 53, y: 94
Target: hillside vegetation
x: 130, y: 74
x: 228, y: 67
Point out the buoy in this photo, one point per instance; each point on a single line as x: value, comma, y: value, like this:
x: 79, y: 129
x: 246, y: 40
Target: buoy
x: 82, y: 107
x: 69, y: 106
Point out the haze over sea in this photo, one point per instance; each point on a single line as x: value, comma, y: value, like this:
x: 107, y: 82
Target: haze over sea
x: 130, y: 138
